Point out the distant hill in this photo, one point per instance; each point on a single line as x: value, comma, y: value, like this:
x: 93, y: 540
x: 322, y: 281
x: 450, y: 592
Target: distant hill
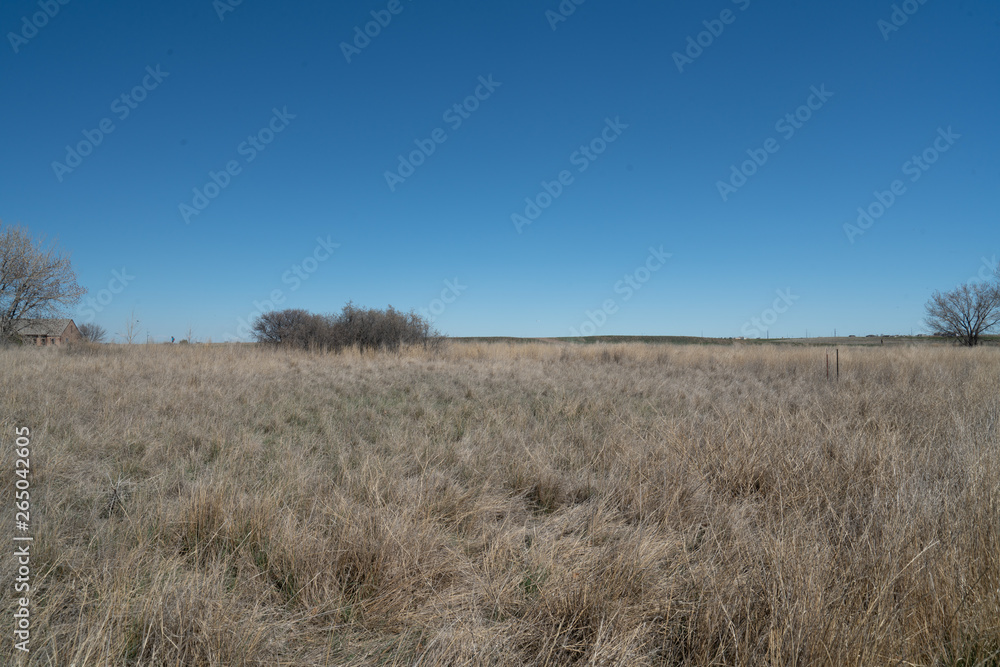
x: 696, y: 340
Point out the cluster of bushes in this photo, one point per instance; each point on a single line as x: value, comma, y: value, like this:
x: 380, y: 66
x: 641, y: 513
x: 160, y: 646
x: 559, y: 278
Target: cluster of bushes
x: 364, y: 328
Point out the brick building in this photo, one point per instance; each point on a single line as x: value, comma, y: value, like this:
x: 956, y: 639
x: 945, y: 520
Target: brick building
x: 48, y: 332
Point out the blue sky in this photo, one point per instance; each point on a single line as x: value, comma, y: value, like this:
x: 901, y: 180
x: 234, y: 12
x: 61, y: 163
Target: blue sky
x: 223, y: 157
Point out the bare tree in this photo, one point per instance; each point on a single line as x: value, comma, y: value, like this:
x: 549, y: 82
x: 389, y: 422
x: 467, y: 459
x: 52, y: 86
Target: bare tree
x: 282, y: 326
x: 966, y: 312
x: 94, y: 333
x: 36, y: 281
x: 131, y: 329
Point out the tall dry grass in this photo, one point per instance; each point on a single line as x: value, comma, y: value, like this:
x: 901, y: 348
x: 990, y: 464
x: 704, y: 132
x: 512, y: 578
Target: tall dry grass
x: 508, y: 505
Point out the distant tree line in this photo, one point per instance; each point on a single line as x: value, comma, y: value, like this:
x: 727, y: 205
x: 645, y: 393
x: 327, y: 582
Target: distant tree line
x: 365, y: 328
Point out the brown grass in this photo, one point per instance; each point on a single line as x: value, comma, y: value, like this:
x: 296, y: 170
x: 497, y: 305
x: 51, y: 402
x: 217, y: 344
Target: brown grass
x: 508, y: 505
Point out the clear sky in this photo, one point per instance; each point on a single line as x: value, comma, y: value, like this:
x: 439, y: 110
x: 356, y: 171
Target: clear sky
x: 510, y: 168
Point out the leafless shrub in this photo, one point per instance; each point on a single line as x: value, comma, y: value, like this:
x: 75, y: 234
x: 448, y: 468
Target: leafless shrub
x: 93, y: 333
x: 366, y: 329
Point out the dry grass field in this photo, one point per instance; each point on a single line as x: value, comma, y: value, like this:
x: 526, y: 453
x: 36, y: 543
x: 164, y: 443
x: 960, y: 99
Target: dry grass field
x: 496, y: 504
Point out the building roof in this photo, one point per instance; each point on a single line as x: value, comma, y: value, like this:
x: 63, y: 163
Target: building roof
x: 54, y: 327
